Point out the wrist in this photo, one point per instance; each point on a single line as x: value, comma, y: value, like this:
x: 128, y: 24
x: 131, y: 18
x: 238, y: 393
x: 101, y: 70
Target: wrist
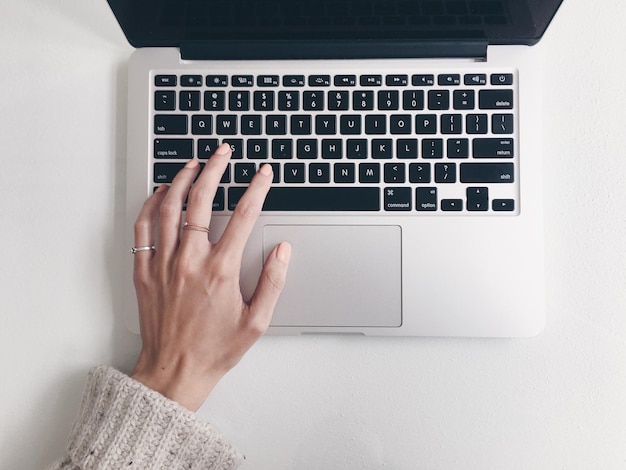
x: 176, y: 383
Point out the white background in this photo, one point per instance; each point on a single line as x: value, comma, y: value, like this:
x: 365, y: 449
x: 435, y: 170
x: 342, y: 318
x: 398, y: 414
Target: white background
x: 557, y: 401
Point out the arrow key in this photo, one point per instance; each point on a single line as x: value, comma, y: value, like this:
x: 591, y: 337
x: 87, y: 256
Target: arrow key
x: 477, y: 199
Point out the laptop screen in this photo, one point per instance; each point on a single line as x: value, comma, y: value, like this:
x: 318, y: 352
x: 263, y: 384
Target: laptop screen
x: 166, y: 23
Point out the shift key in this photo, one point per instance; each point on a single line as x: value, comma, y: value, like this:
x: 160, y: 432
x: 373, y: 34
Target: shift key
x: 487, y: 173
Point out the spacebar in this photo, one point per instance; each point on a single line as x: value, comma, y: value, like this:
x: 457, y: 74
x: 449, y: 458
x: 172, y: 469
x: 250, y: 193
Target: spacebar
x: 314, y: 199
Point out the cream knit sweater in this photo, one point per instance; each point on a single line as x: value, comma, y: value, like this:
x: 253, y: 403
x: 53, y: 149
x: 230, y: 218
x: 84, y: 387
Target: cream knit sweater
x: 124, y: 424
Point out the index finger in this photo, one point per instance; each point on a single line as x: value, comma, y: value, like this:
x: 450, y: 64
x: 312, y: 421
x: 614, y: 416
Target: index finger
x: 246, y: 213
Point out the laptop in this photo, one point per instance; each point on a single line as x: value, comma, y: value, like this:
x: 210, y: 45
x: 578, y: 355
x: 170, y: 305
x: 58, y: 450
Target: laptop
x: 405, y: 139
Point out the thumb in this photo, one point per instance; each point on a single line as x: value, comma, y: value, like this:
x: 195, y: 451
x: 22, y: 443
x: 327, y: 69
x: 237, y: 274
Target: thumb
x: 271, y: 283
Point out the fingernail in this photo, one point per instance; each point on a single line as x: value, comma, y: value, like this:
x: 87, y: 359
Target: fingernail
x: 161, y: 188
x: 266, y: 169
x: 223, y: 149
x: 283, y: 252
x: 191, y: 163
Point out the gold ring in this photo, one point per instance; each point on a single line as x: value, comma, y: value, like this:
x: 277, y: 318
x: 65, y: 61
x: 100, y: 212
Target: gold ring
x: 196, y: 227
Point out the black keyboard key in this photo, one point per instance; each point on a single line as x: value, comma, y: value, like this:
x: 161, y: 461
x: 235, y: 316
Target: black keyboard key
x: 363, y: 100
x: 165, y: 80
x: 236, y: 148
x: 191, y: 80
x: 219, y: 200
x: 306, y: 149
x: 173, y: 148
x: 257, y: 149
x: 201, y: 125
x: 423, y: 80
x: 344, y: 173
x: 502, y: 79
x: 165, y: 100
x: 267, y: 80
x: 345, y: 80
x: 426, y: 124
x: 332, y: 198
x: 487, y: 173
x: 313, y: 100
x: 451, y: 123
x: 207, y: 147
x: 288, y: 100
x: 477, y: 199
x: 165, y: 172
x: 476, y: 124
x: 282, y: 149
x: 301, y: 124
x: 226, y: 124
x: 332, y: 149
x: 492, y: 148
x: 216, y: 81
x: 503, y: 205
x: 475, y: 79
x: 452, y: 205
x: 319, y: 173
x: 214, y: 101
x: 445, y: 173
x: 449, y: 79
x: 502, y: 123
x: 457, y: 148
x: 338, y: 100
x: 251, y: 124
x: 412, y: 100
x: 173, y: 124
x: 426, y: 199
x: 397, y: 80
x: 398, y: 199
x: 356, y: 148
x: 294, y: 173
x: 463, y: 99
x: 350, y: 125
x: 382, y: 148
x: 264, y: 101
x: 244, y: 172
x: 293, y: 80
x: 239, y: 101
x: 419, y: 172
x: 438, y: 99
x: 276, y: 124
x: 394, y: 173
x: 376, y: 124
x: 400, y: 124
x: 388, y: 100
x: 369, y: 173
x: 189, y: 100
x: 495, y: 99
x: 406, y: 148
x: 371, y: 80
x: 242, y: 80
x: 319, y: 80
x: 432, y: 148
x: 325, y: 124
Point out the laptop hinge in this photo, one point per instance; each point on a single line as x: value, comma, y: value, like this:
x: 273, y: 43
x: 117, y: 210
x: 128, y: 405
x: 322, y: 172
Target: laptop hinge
x: 365, y: 49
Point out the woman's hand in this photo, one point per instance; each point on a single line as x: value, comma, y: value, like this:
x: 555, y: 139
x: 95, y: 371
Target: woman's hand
x: 195, y: 325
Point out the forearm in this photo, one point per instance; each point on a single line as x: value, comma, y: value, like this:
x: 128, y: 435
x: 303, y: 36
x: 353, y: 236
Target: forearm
x: 124, y: 424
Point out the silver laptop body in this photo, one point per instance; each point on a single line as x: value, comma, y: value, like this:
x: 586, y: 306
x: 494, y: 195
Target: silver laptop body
x: 409, y: 167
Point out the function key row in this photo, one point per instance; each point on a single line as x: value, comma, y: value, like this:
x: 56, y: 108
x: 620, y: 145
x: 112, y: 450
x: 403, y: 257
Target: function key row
x: 242, y: 81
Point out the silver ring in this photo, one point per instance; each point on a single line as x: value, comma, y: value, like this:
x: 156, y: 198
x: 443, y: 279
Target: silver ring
x: 136, y: 249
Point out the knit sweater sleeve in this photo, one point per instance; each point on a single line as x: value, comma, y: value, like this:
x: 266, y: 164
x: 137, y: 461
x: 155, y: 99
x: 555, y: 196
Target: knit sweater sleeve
x: 124, y: 424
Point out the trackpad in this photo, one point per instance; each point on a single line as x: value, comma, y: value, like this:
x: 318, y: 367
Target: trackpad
x: 339, y: 276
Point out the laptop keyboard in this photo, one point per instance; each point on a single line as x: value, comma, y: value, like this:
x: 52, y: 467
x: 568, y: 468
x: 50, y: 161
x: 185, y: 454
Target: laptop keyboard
x: 428, y: 142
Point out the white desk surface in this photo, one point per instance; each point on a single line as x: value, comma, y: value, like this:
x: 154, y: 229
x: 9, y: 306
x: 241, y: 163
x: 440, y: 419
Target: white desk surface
x: 556, y: 401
